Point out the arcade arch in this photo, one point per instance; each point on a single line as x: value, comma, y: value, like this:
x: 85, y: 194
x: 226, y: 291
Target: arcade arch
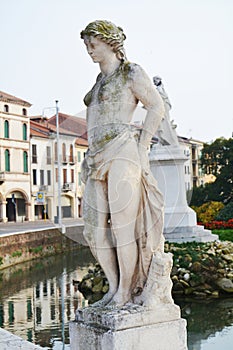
x: 17, y: 206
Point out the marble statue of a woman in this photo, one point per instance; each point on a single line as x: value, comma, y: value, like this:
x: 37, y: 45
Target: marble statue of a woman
x: 123, y: 209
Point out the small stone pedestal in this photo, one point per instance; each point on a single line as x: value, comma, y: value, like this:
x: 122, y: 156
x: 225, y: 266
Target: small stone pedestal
x: 128, y: 328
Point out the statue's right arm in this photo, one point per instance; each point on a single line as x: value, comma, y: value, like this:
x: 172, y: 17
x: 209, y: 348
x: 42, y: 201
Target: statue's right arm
x: 144, y: 90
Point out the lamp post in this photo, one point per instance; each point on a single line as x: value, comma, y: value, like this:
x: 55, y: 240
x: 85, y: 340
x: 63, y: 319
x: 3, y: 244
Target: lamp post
x: 58, y: 166
x: 59, y: 214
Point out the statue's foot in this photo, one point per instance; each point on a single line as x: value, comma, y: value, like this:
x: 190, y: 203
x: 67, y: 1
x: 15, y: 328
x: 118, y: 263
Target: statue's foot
x: 104, y: 301
x: 118, y: 301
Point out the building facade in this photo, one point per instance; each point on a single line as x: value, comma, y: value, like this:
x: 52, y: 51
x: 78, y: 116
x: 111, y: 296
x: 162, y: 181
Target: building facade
x: 194, y: 175
x: 33, y: 161
x: 15, y: 199
x: 50, y: 158
x: 77, y: 126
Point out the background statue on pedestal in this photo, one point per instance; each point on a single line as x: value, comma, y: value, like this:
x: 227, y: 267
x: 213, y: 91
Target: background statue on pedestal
x: 166, y: 131
x: 123, y: 208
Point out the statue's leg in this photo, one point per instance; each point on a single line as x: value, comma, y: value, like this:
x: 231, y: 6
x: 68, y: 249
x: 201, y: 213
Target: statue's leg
x: 124, y: 189
x: 98, y: 234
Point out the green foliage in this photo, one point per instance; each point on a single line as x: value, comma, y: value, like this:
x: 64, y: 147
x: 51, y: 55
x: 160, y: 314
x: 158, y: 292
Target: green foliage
x: 17, y: 253
x: 36, y: 250
x: 217, y: 155
x: 208, y: 211
x: 200, y: 195
x: 226, y: 213
x: 1, y: 259
x: 217, y: 159
x: 210, y: 192
x: 224, y: 235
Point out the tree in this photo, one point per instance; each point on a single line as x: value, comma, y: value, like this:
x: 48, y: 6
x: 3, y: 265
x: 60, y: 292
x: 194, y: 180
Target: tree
x: 216, y: 159
x: 217, y: 155
x: 226, y: 213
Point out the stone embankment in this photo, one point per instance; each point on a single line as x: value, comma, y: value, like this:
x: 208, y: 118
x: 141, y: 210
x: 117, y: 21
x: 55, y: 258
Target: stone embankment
x: 21, y: 247
x: 200, y: 270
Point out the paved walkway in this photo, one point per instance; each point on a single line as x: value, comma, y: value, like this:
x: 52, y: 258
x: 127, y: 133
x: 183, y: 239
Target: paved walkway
x: 11, y: 228
x: 9, y: 341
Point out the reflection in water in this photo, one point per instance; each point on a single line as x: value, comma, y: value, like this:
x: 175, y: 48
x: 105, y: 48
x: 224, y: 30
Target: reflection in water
x: 207, y: 322
x: 38, y: 298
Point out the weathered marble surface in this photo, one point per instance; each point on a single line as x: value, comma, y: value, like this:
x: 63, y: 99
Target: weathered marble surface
x: 129, y: 316
x: 151, y: 322
x: 153, y: 305
x: 168, y: 335
x: 123, y: 209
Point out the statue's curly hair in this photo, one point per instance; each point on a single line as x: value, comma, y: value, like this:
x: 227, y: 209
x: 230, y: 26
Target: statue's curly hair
x: 109, y: 33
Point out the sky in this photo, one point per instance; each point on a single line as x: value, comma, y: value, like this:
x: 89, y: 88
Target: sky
x: 188, y: 43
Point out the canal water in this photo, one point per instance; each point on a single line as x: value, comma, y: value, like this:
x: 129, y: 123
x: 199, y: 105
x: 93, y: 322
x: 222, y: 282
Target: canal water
x: 39, y: 298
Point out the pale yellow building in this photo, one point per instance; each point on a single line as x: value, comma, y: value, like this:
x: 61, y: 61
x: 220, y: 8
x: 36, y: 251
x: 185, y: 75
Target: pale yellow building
x: 15, y: 197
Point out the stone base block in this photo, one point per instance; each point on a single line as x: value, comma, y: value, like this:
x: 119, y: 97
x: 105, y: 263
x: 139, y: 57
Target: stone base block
x: 189, y: 234
x: 129, y: 316
x: 160, y: 336
x: 132, y: 327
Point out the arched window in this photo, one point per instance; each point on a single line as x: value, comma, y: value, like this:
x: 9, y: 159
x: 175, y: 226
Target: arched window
x: 7, y: 160
x: 79, y: 156
x: 6, y: 108
x: 64, y: 152
x: 6, y: 129
x: 55, y: 151
x: 24, y: 131
x: 24, y: 111
x: 71, y: 153
x: 25, y: 162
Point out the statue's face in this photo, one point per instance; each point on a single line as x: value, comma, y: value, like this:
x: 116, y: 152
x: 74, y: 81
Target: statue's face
x: 97, y: 49
x: 157, y: 80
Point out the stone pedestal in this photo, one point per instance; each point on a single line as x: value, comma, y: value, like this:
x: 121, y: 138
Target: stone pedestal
x: 132, y: 327
x: 180, y: 223
x: 151, y: 322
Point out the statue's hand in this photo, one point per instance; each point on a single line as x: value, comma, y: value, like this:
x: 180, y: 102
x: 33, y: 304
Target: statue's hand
x: 144, y: 160
x: 84, y: 171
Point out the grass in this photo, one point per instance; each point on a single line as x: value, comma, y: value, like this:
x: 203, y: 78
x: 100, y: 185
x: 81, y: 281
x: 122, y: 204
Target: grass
x: 224, y: 235
x: 36, y: 250
x: 17, y: 253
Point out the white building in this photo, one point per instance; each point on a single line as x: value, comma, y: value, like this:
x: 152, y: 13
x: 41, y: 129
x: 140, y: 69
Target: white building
x: 14, y: 159
x: 77, y: 126
x: 81, y: 145
x: 188, y: 176
x: 45, y: 171
x: 194, y: 176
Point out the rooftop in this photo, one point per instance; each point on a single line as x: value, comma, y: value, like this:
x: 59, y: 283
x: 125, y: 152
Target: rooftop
x: 71, y: 123
x: 13, y: 99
